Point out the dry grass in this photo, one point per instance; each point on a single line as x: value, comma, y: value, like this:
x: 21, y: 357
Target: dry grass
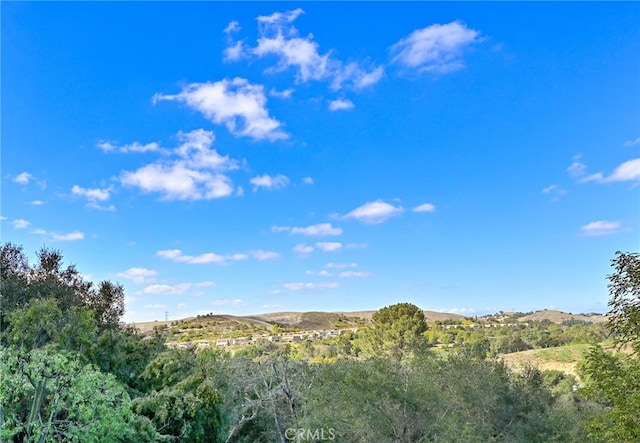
x: 559, y: 316
x: 561, y: 358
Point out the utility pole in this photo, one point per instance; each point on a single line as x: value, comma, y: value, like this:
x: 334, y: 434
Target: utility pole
x: 166, y: 315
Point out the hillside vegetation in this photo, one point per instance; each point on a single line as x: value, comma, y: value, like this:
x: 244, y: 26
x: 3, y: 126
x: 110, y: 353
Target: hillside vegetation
x: 71, y: 371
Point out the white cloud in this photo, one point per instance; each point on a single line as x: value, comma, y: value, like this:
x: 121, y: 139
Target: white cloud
x: 2, y: 217
x: 340, y: 104
x: 329, y: 246
x: 261, y: 255
x: 269, y: 182
x: 133, y: 147
x: 437, y: 48
x: 627, y: 171
x: 234, y: 52
x: 233, y: 26
x: 322, y: 273
x: 36, y: 202
x: 71, y: 236
x: 374, y: 212
x: 138, y: 275
x: 280, y: 39
x: 204, y: 284
x: 332, y: 265
x: 549, y: 189
x: 303, y: 248
x: 155, y: 306
x: 194, y: 174
x: 632, y: 142
x: 310, y: 286
x: 94, y: 196
x: 177, y: 182
x: 20, y: 223
x: 285, y: 93
x: 425, y: 207
x: 166, y: 289
x: 23, y: 178
x: 39, y: 231
x: 601, y: 227
x: 319, y: 230
x: 307, y: 180
x: 178, y: 256
x: 356, y: 245
x: 354, y: 274
x: 577, y: 168
x: 210, y: 257
x: 236, y: 103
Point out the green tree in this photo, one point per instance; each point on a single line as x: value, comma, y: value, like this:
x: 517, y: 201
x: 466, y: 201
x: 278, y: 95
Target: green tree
x: 396, y: 331
x: 48, y: 395
x: 614, y: 379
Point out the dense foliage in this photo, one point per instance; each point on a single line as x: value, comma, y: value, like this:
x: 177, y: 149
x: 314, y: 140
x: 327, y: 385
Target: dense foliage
x: 70, y: 371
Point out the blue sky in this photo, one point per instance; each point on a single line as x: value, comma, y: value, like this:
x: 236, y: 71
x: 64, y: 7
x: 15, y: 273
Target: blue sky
x: 258, y: 157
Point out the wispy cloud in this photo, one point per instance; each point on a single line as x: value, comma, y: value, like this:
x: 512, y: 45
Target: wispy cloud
x: 155, y: 306
x: 285, y: 93
x: 425, y: 207
x: 340, y: 105
x: 601, y: 227
x: 554, y: 191
x: 133, y: 147
x: 262, y: 255
x: 329, y: 246
x: 270, y: 182
x: 332, y: 265
x: 94, y: 196
x: 319, y: 230
x: 577, y: 168
x: 302, y: 248
x: 278, y: 38
x: 632, y: 142
x: 235, y: 103
x: 71, y: 236
x: 308, y: 286
x: 23, y: 178
x: 307, y: 180
x: 322, y: 273
x: 194, y: 173
x: 138, y: 275
x: 374, y: 212
x: 20, y: 224
x: 211, y: 257
x: 36, y: 202
x: 437, y: 48
x: 626, y: 171
x: 158, y: 289
x: 354, y: 274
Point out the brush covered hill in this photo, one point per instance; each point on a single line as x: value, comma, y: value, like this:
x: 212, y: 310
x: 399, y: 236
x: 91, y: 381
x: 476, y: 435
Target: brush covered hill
x: 216, y: 325
x: 558, y: 316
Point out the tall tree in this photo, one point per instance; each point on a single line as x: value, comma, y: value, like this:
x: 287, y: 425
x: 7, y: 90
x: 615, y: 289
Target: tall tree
x: 614, y: 379
x: 396, y: 331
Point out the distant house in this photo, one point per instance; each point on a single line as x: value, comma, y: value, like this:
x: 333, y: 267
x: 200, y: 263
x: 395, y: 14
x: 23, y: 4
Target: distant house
x: 274, y: 338
x: 240, y: 341
x: 222, y: 343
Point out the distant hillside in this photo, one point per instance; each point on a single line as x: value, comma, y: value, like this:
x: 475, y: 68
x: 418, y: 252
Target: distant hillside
x: 306, y: 321
x: 559, y: 316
